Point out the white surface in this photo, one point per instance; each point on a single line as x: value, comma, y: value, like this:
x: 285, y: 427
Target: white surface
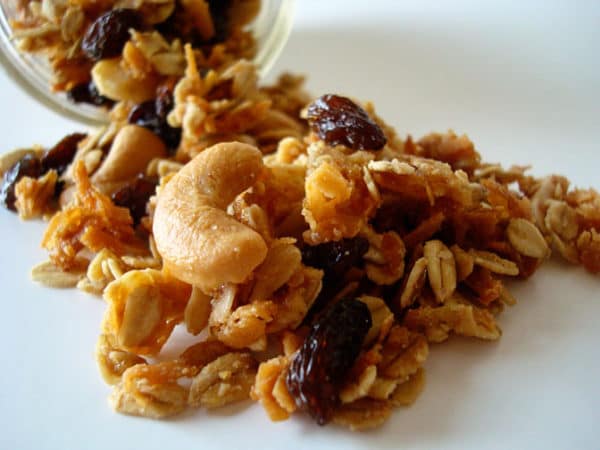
x: 523, y: 80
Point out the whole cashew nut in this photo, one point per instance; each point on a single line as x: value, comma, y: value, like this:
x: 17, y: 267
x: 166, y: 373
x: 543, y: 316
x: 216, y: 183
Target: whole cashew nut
x: 199, y: 242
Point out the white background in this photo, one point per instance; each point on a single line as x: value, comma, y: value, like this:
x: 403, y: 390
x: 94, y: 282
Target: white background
x: 523, y: 80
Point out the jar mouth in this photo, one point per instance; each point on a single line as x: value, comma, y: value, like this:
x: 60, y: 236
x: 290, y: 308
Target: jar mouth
x: 32, y: 73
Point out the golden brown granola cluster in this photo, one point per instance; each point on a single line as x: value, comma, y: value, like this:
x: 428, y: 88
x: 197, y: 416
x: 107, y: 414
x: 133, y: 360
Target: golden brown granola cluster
x: 311, y: 253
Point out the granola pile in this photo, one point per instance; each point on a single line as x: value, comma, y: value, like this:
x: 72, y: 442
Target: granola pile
x: 313, y: 253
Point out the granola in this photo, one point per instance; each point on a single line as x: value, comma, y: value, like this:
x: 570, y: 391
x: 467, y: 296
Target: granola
x: 246, y: 212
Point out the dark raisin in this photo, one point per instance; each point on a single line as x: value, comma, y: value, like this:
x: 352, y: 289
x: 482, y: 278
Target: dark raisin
x: 135, y: 196
x: 59, y: 186
x: 61, y: 155
x: 28, y: 166
x: 152, y: 115
x: 336, y: 258
x: 320, y: 367
x: 219, y: 11
x: 178, y: 25
x: 108, y: 34
x: 88, y: 93
x: 339, y: 121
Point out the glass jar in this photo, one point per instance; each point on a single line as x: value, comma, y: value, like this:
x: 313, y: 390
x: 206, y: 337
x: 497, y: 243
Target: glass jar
x: 32, y: 73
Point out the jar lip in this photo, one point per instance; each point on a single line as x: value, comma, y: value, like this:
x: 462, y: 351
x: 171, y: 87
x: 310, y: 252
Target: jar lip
x: 25, y: 69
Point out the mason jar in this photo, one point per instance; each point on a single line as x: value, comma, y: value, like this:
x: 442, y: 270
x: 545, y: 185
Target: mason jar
x: 33, y: 73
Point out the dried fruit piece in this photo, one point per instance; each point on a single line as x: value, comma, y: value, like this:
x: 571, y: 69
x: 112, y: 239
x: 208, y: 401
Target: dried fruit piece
x: 335, y: 259
x: 88, y: 93
x: 135, y: 196
x: 339, y: 121
x: 107, y: 35
x: 61, y: 155
x: 28, y: 166
x: 319, y: 369
x: 153, y: 115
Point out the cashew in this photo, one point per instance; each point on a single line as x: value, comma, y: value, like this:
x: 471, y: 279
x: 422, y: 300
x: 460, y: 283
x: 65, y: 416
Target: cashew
x: 131, y: 151
x: 114, y: 82
x: 198, y: 241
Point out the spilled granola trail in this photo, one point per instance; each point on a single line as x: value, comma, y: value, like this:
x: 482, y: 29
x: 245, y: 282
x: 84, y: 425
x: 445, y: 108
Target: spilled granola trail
x: 375, y: 245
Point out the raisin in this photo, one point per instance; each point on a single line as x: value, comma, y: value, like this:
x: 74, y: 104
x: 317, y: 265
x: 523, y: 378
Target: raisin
x: 108, y: 34
x: 336, y: 258
x: 339, y: 121
x: 59, y: 186
x: 88, y: 93
x: 28, y: 166
x: 219, y: 11
x: 178, y: 26
x: 61, y: 155
x: 152, y: 115
x: 327, y: 354
x: 135, y: 196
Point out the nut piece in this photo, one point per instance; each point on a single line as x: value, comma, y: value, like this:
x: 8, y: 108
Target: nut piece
x: 441, y: 269
x: 116, y: 83
x: 227, y: 379
x: 198, y: 241
x: 130, y: 153
x: 527, y: 239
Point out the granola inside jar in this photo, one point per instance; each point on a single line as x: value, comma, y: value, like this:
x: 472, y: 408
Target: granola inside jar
x: 59, y: 51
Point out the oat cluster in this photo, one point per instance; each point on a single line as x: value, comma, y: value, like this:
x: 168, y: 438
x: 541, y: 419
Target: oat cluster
x: 312, y: 253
